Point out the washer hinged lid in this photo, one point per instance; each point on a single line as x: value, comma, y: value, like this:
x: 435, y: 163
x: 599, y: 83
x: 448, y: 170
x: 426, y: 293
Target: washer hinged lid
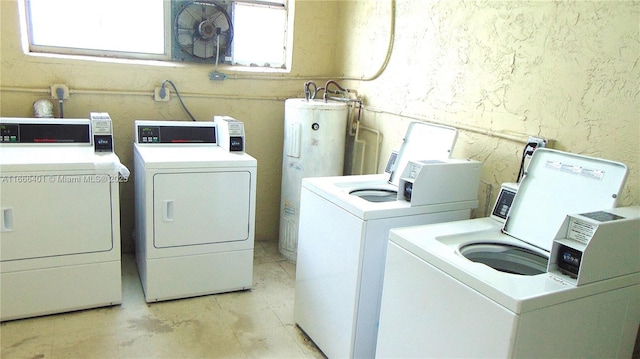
x: 557, y: 184
x: 423, y: 141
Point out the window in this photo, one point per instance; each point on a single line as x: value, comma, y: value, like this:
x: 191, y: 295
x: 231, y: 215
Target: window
x: 149, y: 29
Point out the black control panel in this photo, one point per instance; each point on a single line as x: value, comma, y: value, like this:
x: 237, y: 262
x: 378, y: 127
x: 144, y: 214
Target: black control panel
x: 44, y: 133
x: 9, y: 133
x: 103, y: 143
x: 176, y: 134
x: 408, y: 190
x: 503, y: 204
x: 569, y: 260
x: 236, y: 143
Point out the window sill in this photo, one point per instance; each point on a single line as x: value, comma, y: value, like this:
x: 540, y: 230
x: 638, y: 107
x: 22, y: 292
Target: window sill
x: 231, y: 69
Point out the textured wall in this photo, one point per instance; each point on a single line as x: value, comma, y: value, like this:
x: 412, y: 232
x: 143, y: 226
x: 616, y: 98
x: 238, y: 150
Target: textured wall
x: 502, y: 70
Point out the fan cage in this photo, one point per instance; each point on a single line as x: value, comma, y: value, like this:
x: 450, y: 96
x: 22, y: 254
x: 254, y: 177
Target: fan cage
x: 194, y: 35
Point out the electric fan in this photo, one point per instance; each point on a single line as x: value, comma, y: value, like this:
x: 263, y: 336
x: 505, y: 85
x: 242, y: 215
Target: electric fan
x: 203, y: 30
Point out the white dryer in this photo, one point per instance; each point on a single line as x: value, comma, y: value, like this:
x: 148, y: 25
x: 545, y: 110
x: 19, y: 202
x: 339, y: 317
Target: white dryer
x: 60, y: 220
x: 343, y: 236
x: 474, y: 289
x: 195, y: 211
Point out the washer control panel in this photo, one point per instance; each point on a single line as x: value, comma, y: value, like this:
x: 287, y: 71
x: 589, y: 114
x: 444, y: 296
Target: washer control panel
x: 504, y: 201
x: 175, y: 132
x: 34, y: 131
x: 102, y: 131
x: 231, y: 133
x: 9, y: 133
x: 596, y: 246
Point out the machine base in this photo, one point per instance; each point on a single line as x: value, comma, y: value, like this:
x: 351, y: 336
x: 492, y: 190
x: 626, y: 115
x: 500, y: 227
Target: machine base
x: 191, y: 276
x: 37, y: 292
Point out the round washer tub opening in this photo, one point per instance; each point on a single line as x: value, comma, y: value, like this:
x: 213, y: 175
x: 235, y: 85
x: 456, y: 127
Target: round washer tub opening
x: 506, y: 258
x: 375, y: 195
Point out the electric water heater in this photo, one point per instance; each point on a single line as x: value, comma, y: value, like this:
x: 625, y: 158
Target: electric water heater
x: 314, y: 141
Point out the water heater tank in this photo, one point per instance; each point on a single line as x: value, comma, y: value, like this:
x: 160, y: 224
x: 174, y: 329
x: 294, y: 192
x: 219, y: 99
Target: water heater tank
x: 314, y: 139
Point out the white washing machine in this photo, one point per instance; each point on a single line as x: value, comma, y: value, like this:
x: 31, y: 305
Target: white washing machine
x: 342, y: 239
x: 60, y: 221
x: 195, y: 211
x: 474, y: 289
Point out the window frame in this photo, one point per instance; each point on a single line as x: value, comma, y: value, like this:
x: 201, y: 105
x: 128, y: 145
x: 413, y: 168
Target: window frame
x: 166, y: 56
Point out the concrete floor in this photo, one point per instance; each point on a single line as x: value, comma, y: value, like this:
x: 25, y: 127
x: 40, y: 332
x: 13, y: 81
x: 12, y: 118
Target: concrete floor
x: 257, y: 323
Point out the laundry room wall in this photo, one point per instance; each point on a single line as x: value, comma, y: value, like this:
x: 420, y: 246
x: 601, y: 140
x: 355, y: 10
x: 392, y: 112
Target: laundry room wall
x: 501, y: 71
x: 124, y: 89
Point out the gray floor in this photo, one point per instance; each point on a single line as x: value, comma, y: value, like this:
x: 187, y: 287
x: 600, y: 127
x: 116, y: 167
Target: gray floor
x: 251, y: 324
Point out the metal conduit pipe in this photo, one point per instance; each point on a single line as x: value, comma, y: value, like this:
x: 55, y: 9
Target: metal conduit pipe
x: 377, y: 149
x: 385, y: 63
x: 327, y: 90
x: 340, y: 99
x: 307, y: 90
x: 140, y: 93
x: 518, y: 138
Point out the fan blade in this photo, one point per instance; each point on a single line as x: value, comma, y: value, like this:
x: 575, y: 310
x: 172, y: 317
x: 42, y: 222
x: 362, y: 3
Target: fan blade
x: 185, y: 37
x: 220, y: 21
x: 187, y: 18
x: 204, y: 49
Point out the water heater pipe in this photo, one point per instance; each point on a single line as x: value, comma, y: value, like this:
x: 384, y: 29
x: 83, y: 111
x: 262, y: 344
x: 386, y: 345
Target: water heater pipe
x: 378, y: 141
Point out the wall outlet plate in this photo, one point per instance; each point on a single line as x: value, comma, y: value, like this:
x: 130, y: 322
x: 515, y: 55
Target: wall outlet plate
x: 542, y: 142
x: 158, y: 97
x: 54, y: 91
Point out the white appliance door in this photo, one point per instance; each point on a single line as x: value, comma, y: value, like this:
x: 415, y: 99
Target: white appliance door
x: 201, y: 208
x: 52, y: 215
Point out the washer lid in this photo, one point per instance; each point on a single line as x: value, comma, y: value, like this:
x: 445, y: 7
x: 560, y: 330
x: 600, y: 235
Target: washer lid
x: 423, y: 141
x: 558, y: 184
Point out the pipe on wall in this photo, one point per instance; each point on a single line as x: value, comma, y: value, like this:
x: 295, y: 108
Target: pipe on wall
x: 518, y: 138
x: 139, y: 93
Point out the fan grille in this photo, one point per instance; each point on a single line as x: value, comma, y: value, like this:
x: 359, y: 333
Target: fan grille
x: 197, y: 26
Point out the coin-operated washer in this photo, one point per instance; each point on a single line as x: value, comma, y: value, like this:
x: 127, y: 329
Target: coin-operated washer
x: 195, y: 210
x: 481, y: 290
x: 343, y: 238
x: 60, y: 220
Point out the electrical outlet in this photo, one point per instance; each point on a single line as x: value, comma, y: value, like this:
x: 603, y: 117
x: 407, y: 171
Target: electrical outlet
x: 542, y: 142
x: 158, y: 96
x: 55, y: 88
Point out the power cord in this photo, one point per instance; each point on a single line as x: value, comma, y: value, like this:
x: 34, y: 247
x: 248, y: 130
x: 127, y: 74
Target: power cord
x: 163, y: 93
x: 526, y: 153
